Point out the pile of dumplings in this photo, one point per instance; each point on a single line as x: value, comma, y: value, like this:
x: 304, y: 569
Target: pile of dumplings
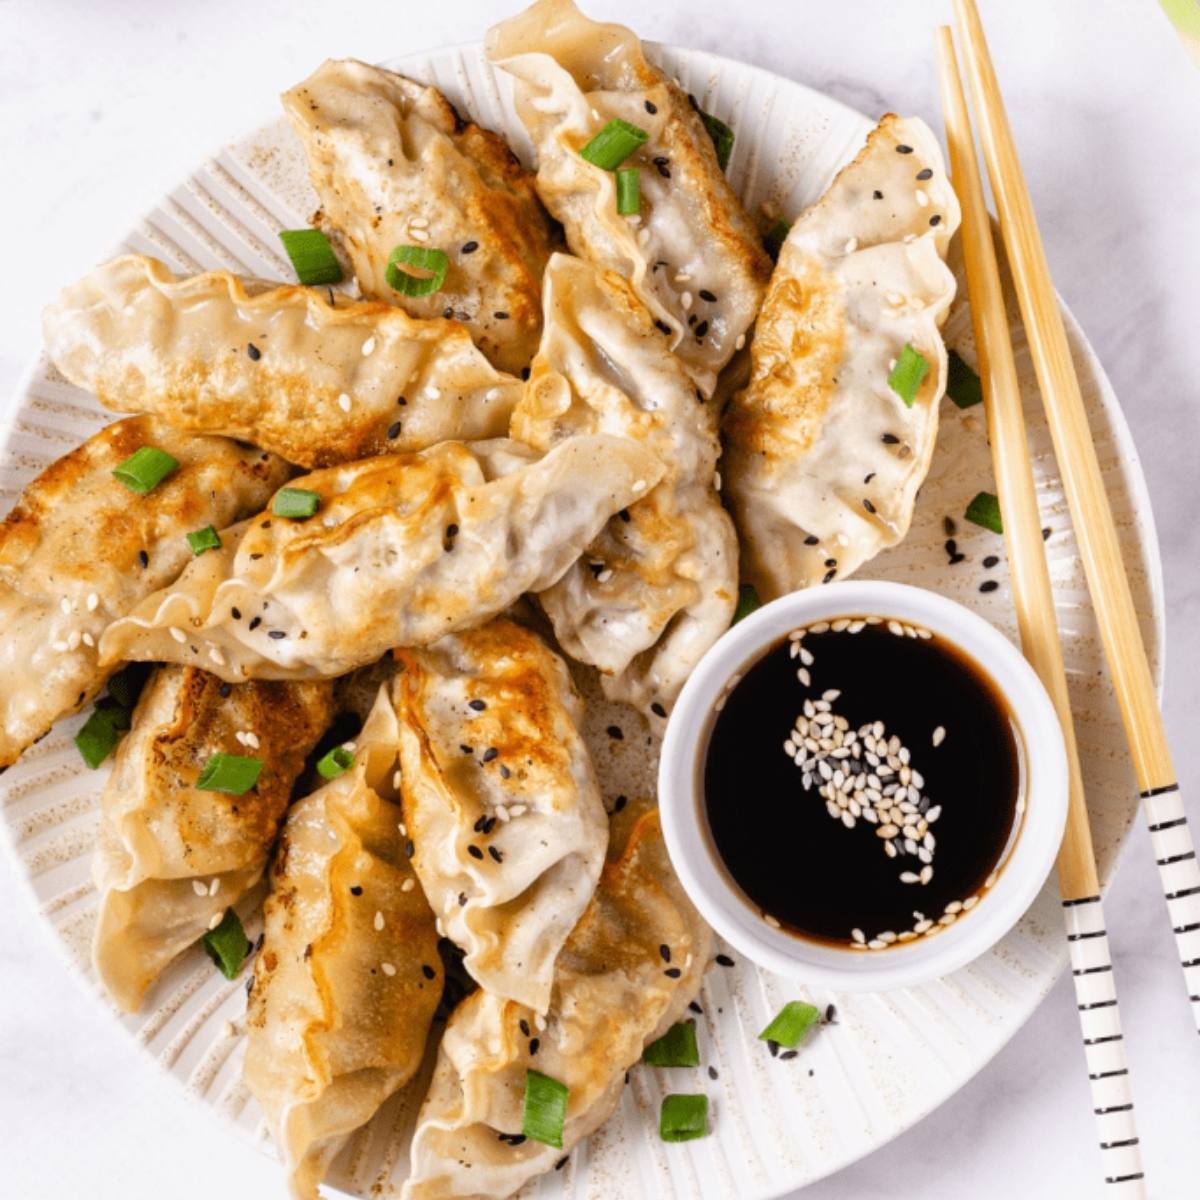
x: 537, y: 468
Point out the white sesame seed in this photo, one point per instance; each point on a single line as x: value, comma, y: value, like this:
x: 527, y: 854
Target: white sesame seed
x: 939, y: 735
x: 969, y: 903
x: 806, y: 656
x: 926, y: 873
x: 741, y: 342
x: 539, y: 1022
x: 93, y: 602
x: 894, y: 299
x: 344, y: 402
x: 643, y: 236
x: 396, y: 780
x: 417, y: 234
x: 857, y: 935
x: 199, y: 887
x: 876, y: 944
x: 215, y: 654
x: 604, y: 575
x: 492, y: 394
x: 368, y: 346
x: 228, y: 1029
x: 685, y: 300
x: 177, y: 634
x: 214, y: 886
x: 407, y: 885
x: 908, y: 877
x: 88, y: 640
x: 770, y: 920
x: 65, y: 605
x: 433, y: 392
x: 851, y: 245
x: 848, y: 820
x: 804, y: 677
x: 933, y: 814
x: 922, y: 197
x: 683, y: 277
x: 922, y: 925
x: 895, y: 627
x: 403, y: 829
x: 378, y: 921
x: 387, y: 968
x: 215, y: 920
x: 419, y: 223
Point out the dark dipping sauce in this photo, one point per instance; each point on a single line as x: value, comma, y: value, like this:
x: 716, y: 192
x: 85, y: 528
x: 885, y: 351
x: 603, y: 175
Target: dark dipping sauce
x: 802, y: 866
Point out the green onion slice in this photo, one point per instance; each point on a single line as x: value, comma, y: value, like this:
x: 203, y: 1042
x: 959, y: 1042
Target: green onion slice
x: 234, y: 774
x: 748, y: 601
x: 204, y: 539
x: 424, y: 258
x: 985, y: 510
x: 676, y: 1048
x: 296, y: 503
x: 614, y: 144
x: 722, y: 137
x: 962, y: 384
x: 227, y: 945
x: 145, y: 469
x: 683, y: 1118
x: 791, y: 1023
x: 312, y: 256
x: 100, y: 733
x: 545, y: 1110
x: 905, y: 380
x: 337, y: 762
x: 629, y: 191
x: 774, y: 238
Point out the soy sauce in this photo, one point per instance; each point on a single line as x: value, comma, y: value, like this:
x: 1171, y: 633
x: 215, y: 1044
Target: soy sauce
x: 828, y: 877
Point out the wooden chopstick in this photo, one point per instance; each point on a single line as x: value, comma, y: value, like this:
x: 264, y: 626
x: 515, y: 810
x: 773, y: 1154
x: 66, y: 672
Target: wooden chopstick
x: 1091, y: 516
x: 1033, y: 599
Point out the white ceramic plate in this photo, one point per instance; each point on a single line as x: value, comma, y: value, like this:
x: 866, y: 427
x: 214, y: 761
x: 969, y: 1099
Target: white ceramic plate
x: 891, y: 1057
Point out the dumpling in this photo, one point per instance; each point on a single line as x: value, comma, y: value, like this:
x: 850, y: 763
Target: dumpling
x: 659, y: 585
x: 80, y: 550
x: 303, y: 372
x: 348, y: 977
x: 170, y: 857
x: 500, y: 800
x: 393, y: 165
x: 823, y: 458
x: 403, y: 550
x: 691, y: 253
x: 613, y: 994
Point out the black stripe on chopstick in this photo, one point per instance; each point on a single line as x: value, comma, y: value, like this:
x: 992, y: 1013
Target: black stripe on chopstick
x: 1195, y: 962
x: 1172, y: 824
x: 1174, y: 858
x: 1109, y: 1074
x: 1186, y: 928
x: 1096, y: 1004
x: 1133, y: 1141
x: 1083, y: 900
x: 1079, y: 937
x: 1100, y: 1041
x: 1092, y: 970
x: 1125, y: 1178
x: 1116, y: 1108
x: 1192, y: 891
x: 1160, y: 791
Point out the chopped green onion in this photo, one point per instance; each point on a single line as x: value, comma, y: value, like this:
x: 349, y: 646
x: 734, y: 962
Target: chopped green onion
x: 774, y: 238
x: 748, y: 601
x: 296, y: 503
x: 962, y: 384
x: 204, y: 539
x: 234, y: 774
x: 985, y: 510
x: 683, y: 1118
x: 545, y: 1110
x: 145, y: 469
x: 614, y: 144
x: 676, y: 1048
x: 722, y: 137
x: 905, y: 379
x: 793, y: 1021
x: 424, y: 258
x: 337, y: 762
x: 227, y: 945
x: 312, y: 256
x: 100, y: 733
x: 629, y: 191
x: 126, y: 685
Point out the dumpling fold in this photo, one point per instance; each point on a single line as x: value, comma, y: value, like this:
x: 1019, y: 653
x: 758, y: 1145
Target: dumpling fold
x: 80, y: 549
x: 303, y: 372
x: 348, y: 976
x: 403, y: 549
x: 823, y: 456
x: 170, y: 857
x: 394, y: 165
x: 500, y: 800
x: 659, y: 584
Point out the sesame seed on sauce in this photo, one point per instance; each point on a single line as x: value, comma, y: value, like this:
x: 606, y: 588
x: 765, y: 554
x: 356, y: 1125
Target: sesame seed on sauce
x: 452, y: 530
x: 236, y: 613
x: 831, y: 562
x: 616, y: 733
x: 428, y: 971
x: 829, y: 577
x: 401, y: 401
x: 651, y: 108
x: 225, y: 690
x: 393, y: 430
x: 988, y: 585
x: 462, y: 899
x: 475, y: 852
x: 523, y: 1025
x: 253, y: 351
x: 672, y: 972
x: 868, y: 478
x: 481, y: 824
x: 624, y: 515
x: 830, y: 1015
x: 504, y: 771
x: 774, y: 1048
x: 812, y: 540
x: 524, y: 372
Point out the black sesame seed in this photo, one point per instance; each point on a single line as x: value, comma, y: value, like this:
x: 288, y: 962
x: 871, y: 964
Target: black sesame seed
x: 595, y: 568
x: 705, y: 294
x: 401, y: 401
x: 504, y: 771
x: 991, y: 561
x: 490, y: 824
x: 356, y: 890
x: 672, y: 972
x: 868, y: 505
x: 663, y: 327
x: 774, y: 1048
x: 788, y: 1054
x: 927, y: 173
x: 477, y: 705
x: 276, y: 634
x: 951, y: 546
x: 500, y: 316
x: 957, y: 558
x: 619, y: 803
x: 868, y: 478
x: 661, y: 161
x: 878, y: 195
x: 723, y: 960
x: 615, y: 732
x: 812, y: 540
x: 524, y: 1026
x: 831, y: 1014
x: 496, y: 855
x: 535, y: 1044
x: 475, y: 852
x: 409, y: 848
x: 562, y: 1162
x: 255, y: 622
x: 254, y: 352
x: 452, y: 530
x: 255, y: 557
x: 657, y: 709
x: 480, y: 824
x: 665, y: 951
x: 447, y: 313
x: 428, y: 971
x: 903, y: 149
x: 829, y: 576
x: 696, y: 1008
x: 524, y: 372
x: 490, y: 753
x: 701, y: 329
x: 988, y: 585
x: 890, y: 439
x: 465, y: 748
x: 936, y: 219
x: 462, y: 899
x: 651, y: 108
x: 469, y: 247
x: 1046, y: 534
x: 831, y: 562
x: 949, y: 525
x: 143, y: 558
x: 624, y: 515
x: 712, y: 1073
x: 394, y: 429
x: 236, y: 613
x: 225, y: 691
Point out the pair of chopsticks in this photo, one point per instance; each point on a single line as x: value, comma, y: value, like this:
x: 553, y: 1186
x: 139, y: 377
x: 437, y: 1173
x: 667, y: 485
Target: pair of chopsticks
x: 1032, y: 596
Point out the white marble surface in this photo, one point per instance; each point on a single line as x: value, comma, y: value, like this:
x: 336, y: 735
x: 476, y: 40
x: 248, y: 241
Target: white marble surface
x: 106, y: 105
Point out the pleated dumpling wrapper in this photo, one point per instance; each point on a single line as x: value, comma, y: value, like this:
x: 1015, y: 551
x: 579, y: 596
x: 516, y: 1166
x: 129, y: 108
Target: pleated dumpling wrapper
x: 304, y: 372
x: 171, y: 856
x: 613, y: 995
x: 659, y: 585
x: 394, y: 165
x: 690, y: 252
x: 824, y: 456
x: 348, y: 976
x: 401, y: 550
x: 500, y: 800
x: 80, y: 549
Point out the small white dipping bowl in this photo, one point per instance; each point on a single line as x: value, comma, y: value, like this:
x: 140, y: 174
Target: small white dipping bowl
x: 736, y: 917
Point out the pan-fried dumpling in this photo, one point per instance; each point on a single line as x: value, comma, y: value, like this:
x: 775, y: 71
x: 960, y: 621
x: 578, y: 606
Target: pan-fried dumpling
x: 300, y: 371
x: 823, y: 458
x: 394, y: 165
x: 500, y: 800
x: 613, y: 994
x: 170, y: 858
x: 403, y: 550
x: 80, y: 550
x: 659, y: 585
x: 691, y: 253
x: 348, y: 977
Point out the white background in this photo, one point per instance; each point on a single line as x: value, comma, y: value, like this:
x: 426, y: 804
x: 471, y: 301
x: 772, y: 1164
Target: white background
x: 107, y: 103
